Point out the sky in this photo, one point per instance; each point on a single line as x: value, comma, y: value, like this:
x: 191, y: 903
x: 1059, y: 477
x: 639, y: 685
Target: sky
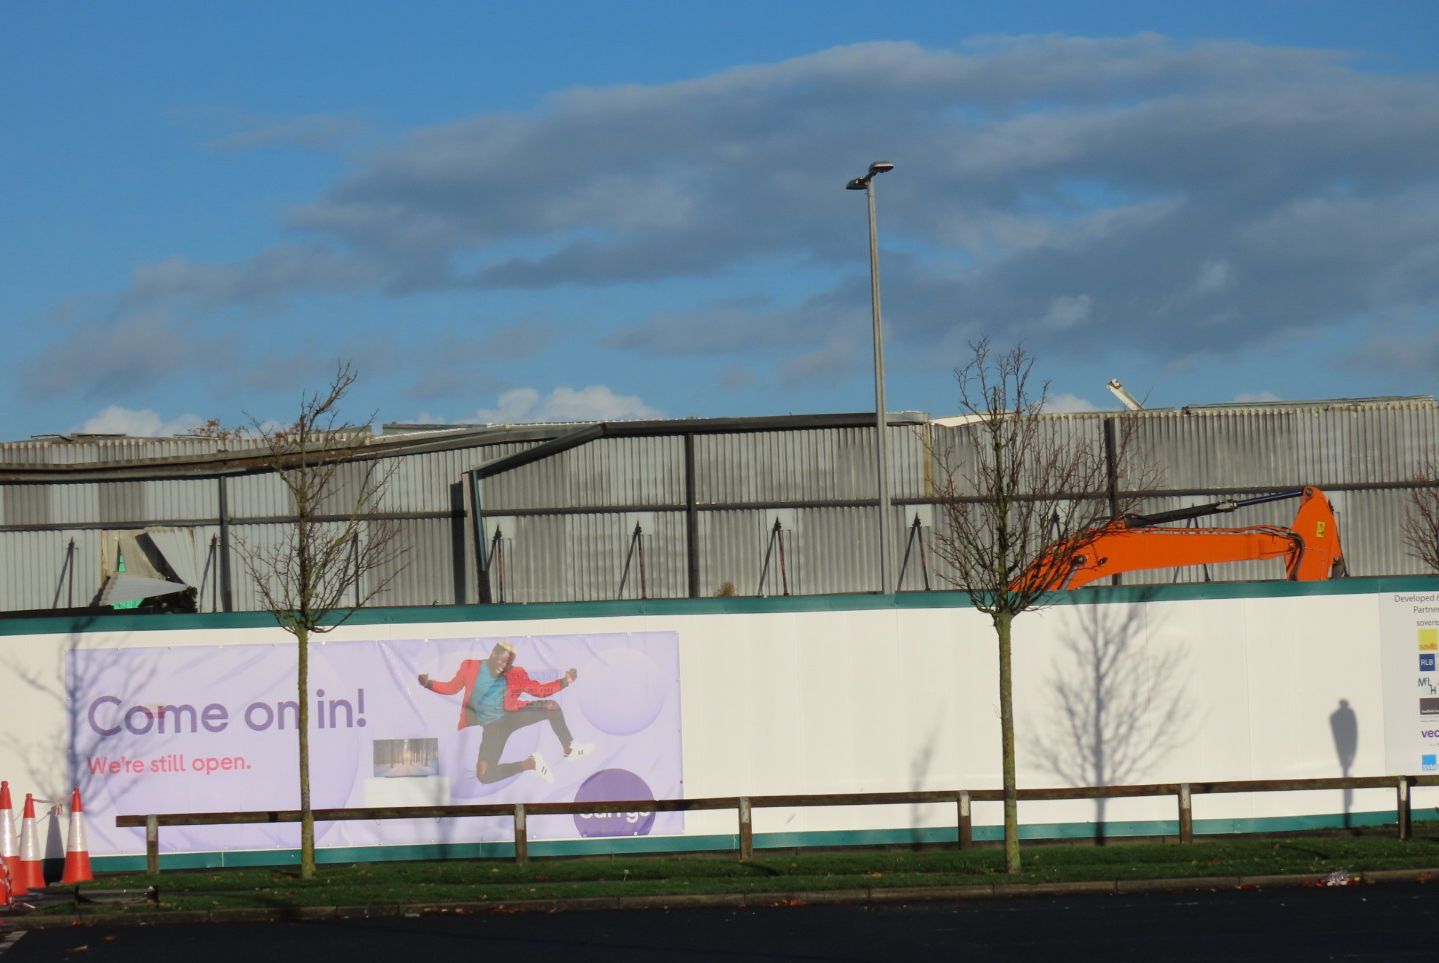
x: 565, y: 211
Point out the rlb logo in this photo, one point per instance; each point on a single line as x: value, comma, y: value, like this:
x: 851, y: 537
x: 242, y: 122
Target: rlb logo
x: 1426, y: 662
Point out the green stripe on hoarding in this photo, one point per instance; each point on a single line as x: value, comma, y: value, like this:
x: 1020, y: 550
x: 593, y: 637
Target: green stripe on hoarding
x: 662, y: 845
x: 71, y: 625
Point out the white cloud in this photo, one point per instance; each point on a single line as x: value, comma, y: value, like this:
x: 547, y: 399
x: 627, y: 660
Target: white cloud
x: 1256, y: 397
x: 592, y: 403
x: 140, y: 423
x: 1214, y: 276
x: 323, y: 133
x: 1066, y: 311
x: 1062, y: 403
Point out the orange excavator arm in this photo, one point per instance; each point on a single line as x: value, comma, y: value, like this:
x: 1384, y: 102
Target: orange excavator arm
x: 1310, y: 549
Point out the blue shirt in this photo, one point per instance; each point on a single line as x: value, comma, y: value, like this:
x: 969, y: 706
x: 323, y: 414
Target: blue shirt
x: 487, y: 699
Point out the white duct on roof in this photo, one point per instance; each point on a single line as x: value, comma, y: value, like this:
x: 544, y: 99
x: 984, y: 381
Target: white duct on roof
x: 177, y: 545
x: 157, y: 561
x: 123, y: 587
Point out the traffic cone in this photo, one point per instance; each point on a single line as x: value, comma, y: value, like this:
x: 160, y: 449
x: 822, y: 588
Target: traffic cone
x: 31, y: 874
x: 7, y: 840
x: 77, y: 853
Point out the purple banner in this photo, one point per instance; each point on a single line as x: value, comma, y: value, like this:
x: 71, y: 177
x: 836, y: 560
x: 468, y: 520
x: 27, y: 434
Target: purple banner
x: 392, y: 723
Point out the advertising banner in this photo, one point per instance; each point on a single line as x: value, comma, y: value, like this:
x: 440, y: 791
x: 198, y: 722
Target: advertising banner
x: 1410, y: 626
x: 396, y: 722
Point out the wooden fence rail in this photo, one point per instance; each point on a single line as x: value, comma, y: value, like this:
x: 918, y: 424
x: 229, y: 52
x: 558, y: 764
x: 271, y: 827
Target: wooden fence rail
x: 743, y: 806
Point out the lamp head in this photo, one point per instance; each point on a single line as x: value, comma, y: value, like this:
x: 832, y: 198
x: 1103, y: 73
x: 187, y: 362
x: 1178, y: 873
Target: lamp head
x: 858, y: 184
x: 880, y: 167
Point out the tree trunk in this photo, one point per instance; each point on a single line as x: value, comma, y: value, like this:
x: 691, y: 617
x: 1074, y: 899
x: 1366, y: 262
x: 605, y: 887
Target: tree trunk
x: 1002, y: 623
x: 1100, y: 764
x: 307, y: 817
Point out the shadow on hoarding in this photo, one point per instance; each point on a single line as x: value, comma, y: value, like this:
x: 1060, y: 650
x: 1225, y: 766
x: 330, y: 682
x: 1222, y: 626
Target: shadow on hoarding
x: 1120, y: 700
x: 1345, y: 727
x: 56, y: 758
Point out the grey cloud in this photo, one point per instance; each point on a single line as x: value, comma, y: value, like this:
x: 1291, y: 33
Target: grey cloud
x: 457, y: 366
x: 460, y: 386
x: 1404, y: 347
x: 121, y: 360
x: 736, y: 378
x: 480, y: 342
x: 1075, y: 191
x: 515, y: 342
x: 1061, y: 171
x: 272, y: 277
x: 822, y: 338
x: 1305, y: 264
x: 731, y: 325
x: 836, y: 359
x: 324, y: 133
x: 281, y: 371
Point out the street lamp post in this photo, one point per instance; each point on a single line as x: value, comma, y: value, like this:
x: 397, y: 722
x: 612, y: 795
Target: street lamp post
x: 866, y: 184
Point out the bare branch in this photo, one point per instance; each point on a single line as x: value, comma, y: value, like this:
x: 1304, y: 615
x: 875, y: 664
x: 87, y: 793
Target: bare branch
x: 336, y: 557
x: 1011, y: 483
x: 1421, y: 524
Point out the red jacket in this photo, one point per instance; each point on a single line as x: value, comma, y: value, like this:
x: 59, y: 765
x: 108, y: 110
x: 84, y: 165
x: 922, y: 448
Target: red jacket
x: 517, y: 683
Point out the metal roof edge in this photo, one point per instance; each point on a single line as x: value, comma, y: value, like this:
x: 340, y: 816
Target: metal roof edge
x: 1321, y: 404
x: 421, y: 441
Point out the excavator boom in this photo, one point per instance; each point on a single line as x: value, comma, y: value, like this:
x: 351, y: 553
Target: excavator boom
x: 1310, y: 549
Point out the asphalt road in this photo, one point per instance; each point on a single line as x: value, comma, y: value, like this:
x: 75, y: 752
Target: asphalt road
x: 1397, y: 922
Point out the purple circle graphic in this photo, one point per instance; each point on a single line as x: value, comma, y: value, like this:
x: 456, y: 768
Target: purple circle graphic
x: 620, y: 691
x: 608, y: 785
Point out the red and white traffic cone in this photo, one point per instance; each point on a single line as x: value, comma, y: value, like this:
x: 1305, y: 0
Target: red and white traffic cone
x: 7, y: 840
x: 77, y: 853
x: 31, y: 874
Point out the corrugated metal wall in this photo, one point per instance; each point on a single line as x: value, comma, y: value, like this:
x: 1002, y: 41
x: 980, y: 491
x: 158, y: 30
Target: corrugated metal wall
x: 100, y: 449
x: 566, y: 523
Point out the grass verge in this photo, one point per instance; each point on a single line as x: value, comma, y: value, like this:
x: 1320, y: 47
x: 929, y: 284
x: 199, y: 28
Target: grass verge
x: 490, y: 881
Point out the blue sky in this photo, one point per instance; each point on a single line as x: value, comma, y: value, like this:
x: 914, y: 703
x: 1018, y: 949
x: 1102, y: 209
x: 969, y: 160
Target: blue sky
x: 505, y: 212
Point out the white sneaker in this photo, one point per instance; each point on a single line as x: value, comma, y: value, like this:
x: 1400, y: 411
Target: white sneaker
x: 542, y: 769
x: 578, y: 749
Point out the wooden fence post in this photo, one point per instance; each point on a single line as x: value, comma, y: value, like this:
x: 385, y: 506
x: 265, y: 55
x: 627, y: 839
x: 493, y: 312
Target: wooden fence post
x: 522, y: 835
x: 746, y: 831
x: 1401, y: 789
x: 966, y: 823
x: 152, y: 844
x: 1186, y: 814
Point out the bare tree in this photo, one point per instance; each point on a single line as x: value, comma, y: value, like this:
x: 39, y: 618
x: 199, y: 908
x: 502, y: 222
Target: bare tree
x: 1010, y: 487
x: 1421, y: 524
x: 334, y: 557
